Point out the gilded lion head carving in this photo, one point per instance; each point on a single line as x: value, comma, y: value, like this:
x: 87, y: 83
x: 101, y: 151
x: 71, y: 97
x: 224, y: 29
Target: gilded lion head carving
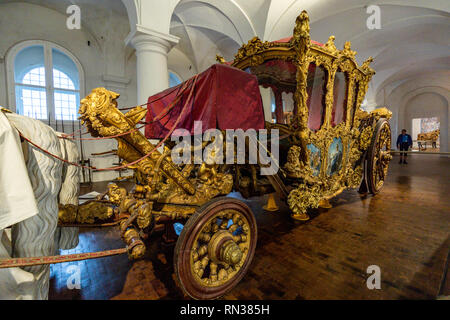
x: 98, y: 112
x: 98, y: 101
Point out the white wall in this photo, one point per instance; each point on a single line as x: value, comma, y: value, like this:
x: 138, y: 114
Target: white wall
x: 423, y: 97
x: 427, y: 105
x: 106, y: 61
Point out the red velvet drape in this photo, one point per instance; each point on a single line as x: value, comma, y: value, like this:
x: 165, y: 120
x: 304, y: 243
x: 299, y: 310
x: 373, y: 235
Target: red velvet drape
x: 224, y: 97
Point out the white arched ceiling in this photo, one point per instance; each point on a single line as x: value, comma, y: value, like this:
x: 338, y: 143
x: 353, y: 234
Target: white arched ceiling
x: 427, y: 102
x: 207, y: 28
x: 413, y: 38
x: 400, y: 96
x: 93, y: 15
x: 282, y: 13
x: 226, y: 16
x: 106, y: 23
x: 406, y: 46
x: 151, y: 14
x: 411, y: 50
x: 257, y: 12
x: 179, y: 63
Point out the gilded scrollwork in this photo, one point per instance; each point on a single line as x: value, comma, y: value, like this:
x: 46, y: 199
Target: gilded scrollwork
x: 348, y: 50
x: 365, y: 67
x: 102, y: 118
x: 365, y: 138
x: 220, y: 59
x: 303, y: 198
x: 293, y: 165
x: 381, y: 113
x: 87, y: 213
x: 354, y: 177
x: 330, y: 46
x: 115, y: 193
x: 169, y: 191
x: 251, y: 49
x: 355, y: 133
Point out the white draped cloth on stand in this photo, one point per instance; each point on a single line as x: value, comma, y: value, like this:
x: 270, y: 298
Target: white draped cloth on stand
x: 17, y: 201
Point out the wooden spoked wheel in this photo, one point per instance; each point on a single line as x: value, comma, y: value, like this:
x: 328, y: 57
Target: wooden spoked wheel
x: 379, y: 156
x: 215, y: 248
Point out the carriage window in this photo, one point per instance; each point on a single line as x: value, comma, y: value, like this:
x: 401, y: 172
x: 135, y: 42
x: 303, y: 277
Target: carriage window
x: 273, y: 106
x: 280, y: 76
x: 339, y: 98
x: 283, y: 109
x: 316, y: 88
x: 288, y: 107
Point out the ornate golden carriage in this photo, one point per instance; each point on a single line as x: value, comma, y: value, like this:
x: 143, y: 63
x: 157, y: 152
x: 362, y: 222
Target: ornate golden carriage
x: 327, y: 144
x: 329, y: 136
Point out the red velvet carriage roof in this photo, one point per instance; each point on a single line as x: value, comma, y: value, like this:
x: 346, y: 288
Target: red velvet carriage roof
x: 223, y: 97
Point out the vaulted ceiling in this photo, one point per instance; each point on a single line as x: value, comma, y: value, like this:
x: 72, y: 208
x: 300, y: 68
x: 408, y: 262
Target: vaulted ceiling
x: 413, y: 40
x: 95, y: 15
x: 412, y: 43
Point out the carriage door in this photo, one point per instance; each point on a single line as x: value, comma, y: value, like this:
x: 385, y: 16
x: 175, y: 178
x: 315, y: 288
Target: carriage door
x: 327, y: 113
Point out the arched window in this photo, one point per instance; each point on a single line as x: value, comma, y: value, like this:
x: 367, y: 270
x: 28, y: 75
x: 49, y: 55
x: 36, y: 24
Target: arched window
x: 45, y: 81
x: 174, y: 80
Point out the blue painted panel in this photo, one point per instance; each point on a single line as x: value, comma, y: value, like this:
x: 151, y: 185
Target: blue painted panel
x: 335, y: 156
x: 314, y: 159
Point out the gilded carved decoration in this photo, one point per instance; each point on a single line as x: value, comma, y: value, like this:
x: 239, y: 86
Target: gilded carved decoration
x: 433, y: 135
x: 159, y: 179
x: 349, y: 148
x: 355, y: 133
x: 218, y: 247
x: 88, y: 213
x: 220, y: 59
x: 101, y: 116
x: 251, y: 50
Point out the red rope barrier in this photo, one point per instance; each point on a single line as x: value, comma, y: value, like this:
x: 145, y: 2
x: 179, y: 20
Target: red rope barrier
x: 163, y: 96
x: 109, y: 137
x: 53, y: 155
x: 162, y: 141
x: 160, y: 116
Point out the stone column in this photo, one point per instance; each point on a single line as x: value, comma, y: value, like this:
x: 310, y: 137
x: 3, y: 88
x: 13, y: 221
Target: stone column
x: 151, y: 53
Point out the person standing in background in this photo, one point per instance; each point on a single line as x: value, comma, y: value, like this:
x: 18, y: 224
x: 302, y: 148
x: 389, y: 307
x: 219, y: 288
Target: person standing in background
x: 404, y: 142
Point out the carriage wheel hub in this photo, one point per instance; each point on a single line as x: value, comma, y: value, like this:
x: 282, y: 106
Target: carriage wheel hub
x: 223, y: 249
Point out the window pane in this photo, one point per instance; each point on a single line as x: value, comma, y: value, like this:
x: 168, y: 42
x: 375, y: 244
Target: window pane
x: 173, y: 80
x: 274, y: 106
x: 35, y: 77
x: 66, y: 105
x: 316, y: 88
x: 65, y: 71
x: 339, y: 98
x: 29, y: 66
x: 288, y: 106
x: 31, y: 102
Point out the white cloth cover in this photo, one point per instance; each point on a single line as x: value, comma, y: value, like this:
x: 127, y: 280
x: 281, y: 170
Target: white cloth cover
x: 17, y: 201
x: 16, y: 283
